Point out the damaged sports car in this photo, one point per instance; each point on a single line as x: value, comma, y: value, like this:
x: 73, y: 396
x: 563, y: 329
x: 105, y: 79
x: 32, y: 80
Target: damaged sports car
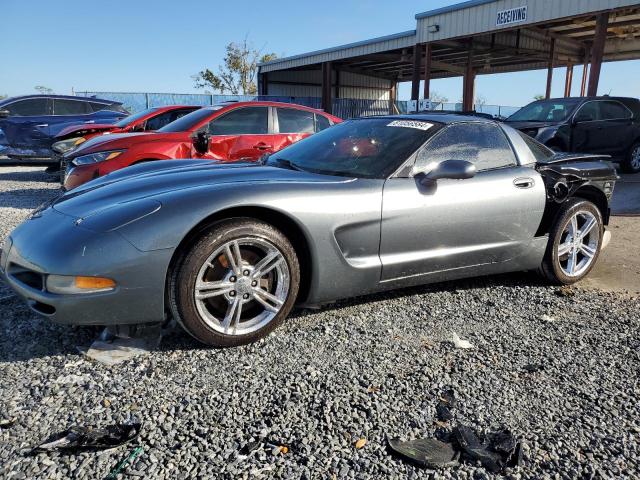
x: 367, y: 205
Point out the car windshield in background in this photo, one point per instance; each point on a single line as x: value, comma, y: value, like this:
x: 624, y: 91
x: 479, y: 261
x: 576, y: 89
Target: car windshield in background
x: 133, y: 118
x: 545, y: 111
x: 540, y: 151
x: 365, y: 148
x: 189, y: 121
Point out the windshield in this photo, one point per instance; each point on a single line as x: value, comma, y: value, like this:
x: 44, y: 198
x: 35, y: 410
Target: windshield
x: 133, y: 118
x: 545, y: 111
x: 364, y: 148
x: 186, y: 123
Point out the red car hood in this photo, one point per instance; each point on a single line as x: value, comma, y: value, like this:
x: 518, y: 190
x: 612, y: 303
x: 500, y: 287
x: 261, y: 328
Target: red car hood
x: 83, y: 129
x: 126, y: 140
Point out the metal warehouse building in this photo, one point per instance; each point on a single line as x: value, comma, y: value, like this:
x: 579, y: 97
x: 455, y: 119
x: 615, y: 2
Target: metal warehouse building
x: 472, y: 38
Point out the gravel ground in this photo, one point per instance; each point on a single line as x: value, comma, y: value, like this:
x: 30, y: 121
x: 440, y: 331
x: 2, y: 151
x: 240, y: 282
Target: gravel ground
x: 366, y: 368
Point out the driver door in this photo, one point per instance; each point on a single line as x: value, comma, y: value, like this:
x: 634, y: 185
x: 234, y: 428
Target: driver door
x: 457, y: 224
x: 242, y: 133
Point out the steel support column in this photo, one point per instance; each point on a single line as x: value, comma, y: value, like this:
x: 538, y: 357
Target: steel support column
x: 568, y: 79
x: 263, y: 84
x: 415, y: 77
x: 468, y: 83
x: 427, y: 71
x: 585, y: 71
x: 327, y: 101
x: 597, y: 50
x: 552, y: 55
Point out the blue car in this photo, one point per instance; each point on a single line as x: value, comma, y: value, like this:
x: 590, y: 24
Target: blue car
x: 28, y: 124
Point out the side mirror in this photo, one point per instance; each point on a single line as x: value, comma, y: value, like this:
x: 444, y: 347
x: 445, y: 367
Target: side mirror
x: 201, y: 142
x: 454, y: 169
x: 4, y: 113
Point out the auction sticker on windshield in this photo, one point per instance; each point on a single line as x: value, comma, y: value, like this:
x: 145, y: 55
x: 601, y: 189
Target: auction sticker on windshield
x: 411, y: 124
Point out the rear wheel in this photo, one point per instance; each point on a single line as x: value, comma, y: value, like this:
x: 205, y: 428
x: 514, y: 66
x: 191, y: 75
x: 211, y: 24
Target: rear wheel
x: 236, y: 283
x: 631, y: 164
x: 574, y: 242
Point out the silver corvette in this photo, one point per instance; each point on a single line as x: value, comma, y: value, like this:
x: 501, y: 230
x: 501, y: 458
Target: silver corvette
x: 368, y: 205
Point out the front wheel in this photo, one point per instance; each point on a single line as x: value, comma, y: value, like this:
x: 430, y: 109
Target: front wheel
x: 235, y: 284
x: 631, y: 164
x: 574, y: 244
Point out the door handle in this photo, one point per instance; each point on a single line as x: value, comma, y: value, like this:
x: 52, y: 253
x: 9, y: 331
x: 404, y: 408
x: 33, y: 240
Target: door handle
x: 43, y: 125
x: 262, y: 146
x: 524, y: 182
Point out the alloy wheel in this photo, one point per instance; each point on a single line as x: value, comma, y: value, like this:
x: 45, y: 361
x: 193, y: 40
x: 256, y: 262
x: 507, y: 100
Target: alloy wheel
x: 579, y: 243
x: 241, y: 286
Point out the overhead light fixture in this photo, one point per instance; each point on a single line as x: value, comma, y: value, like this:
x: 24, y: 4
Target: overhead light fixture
x: 433, y: 28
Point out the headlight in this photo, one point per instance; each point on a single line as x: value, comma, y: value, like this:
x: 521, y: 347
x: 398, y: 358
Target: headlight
x: 67, y: 284
x: 63, y: 146
x: 97, y: 157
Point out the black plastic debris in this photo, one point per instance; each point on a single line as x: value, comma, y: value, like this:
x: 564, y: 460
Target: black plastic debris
x: 495, y: 451
x: 425, y: 452
x: 533, y: 367
x: 77, y: 439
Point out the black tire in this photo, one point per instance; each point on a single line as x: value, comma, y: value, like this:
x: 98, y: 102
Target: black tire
x: 182, y: 281
x: 551, y: 268
x: 631, y: 163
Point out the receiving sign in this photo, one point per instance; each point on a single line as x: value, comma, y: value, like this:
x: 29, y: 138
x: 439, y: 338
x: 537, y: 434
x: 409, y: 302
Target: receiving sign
x: 513, y: 15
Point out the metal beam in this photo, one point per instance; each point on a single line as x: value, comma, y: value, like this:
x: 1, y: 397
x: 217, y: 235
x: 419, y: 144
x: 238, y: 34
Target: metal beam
x: 552, y: 55
x: 567, y: 80
x: 415, y: 77
x: 326, y: 100
x: 427, y: 72
x: 468, y: 83
x: 585, y: 70
x: 597, y: 51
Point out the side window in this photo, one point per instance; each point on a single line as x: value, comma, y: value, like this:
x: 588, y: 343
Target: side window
x: 588, y: 112
x: 483, y: 144
x: 69, y: 107
x: 295, y: 121
x: 243, y: 121
x: 96, y: 107
x: 166, y: 118
x: 29, y: 107
x: 322, y: 122
x: 611, y: 110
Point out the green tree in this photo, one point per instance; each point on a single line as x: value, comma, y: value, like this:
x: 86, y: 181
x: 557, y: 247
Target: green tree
x: 43, y: 90
x: 237, y: 75
x: 2, y: 96
x: 539, y: 97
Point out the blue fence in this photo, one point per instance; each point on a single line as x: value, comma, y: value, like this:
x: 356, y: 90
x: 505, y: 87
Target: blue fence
x: 342, y: 107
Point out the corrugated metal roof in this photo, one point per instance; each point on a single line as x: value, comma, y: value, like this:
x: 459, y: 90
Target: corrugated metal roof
x: 378, y: 44
x: 452, y: 8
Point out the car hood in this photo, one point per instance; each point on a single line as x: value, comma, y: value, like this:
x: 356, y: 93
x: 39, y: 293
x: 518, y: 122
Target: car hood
x: 157, y: 178
x: 528, y: 125
x: 84, y: 128
x: 123, y: 140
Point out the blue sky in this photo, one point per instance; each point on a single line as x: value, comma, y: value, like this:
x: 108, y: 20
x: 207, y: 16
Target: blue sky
x: 156, y: 45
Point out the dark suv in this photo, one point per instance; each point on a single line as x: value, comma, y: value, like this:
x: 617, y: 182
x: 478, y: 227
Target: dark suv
x: 609, y: 125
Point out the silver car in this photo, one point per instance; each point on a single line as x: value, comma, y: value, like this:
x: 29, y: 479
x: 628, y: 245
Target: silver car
x: 368, y: 205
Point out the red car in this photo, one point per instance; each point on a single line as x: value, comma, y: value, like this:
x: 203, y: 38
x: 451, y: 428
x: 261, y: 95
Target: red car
x: 148, y: 120
x: 226, y: 132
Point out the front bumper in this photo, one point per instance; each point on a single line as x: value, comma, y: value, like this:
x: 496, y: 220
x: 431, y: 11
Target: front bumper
x: 53, y: 244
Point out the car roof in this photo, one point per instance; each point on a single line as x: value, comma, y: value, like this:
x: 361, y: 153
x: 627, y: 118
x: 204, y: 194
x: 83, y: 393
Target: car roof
x: 264, y: 103
x: 69, y: 97
x: 445, y: 118
x: 593, y: 97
